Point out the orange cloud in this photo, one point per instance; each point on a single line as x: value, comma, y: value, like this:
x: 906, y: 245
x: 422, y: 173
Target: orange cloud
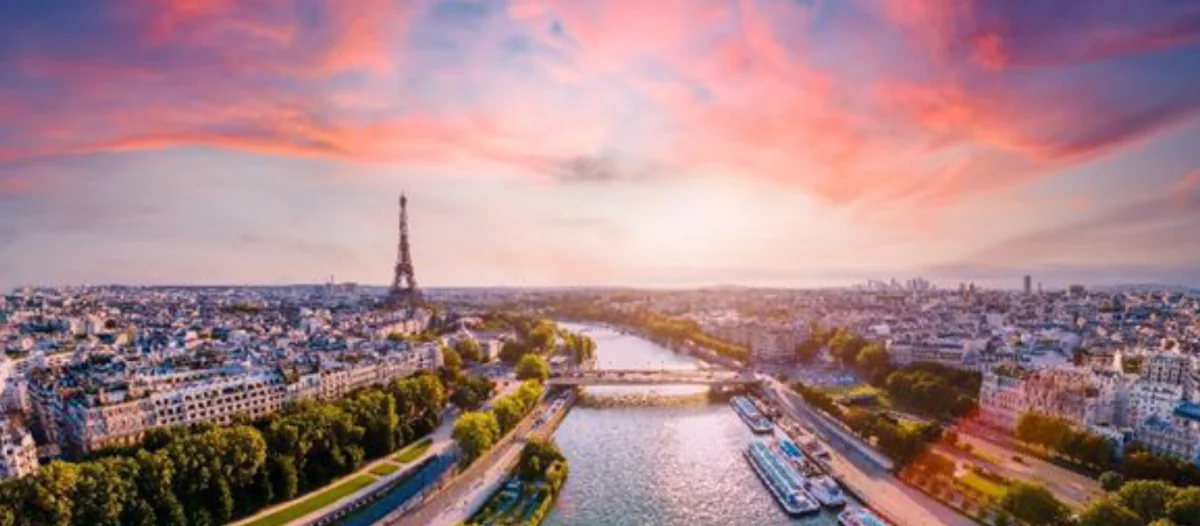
x: 737, y: 87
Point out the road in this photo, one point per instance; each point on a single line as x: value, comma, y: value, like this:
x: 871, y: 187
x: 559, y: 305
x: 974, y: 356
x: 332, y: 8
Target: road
x: 456, y: 502
x: 883, y: 490
x: 1075, y: 489
x: 474, y: 496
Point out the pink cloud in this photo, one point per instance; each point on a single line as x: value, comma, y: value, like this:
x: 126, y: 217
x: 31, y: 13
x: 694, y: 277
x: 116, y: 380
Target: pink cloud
x: 740, y: 87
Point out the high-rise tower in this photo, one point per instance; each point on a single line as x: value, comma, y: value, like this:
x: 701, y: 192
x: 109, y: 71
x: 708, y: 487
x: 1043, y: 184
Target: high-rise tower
x: 404, y: 284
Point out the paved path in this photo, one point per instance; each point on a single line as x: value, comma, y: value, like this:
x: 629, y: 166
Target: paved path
x: 884, y: 491
x: 441, y: 442
x: 460, y: 498
x: 476, y: 495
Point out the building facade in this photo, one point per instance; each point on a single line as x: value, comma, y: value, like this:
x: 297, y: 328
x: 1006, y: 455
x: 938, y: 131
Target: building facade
x: 18, y: 453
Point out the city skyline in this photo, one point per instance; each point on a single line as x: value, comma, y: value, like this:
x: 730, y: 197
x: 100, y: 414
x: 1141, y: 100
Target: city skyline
x: 549, y: 143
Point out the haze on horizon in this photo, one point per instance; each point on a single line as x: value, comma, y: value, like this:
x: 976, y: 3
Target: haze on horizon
x: 559, y: 142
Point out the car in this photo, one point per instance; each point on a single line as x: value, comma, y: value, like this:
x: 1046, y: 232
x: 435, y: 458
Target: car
x: 1018, y: 459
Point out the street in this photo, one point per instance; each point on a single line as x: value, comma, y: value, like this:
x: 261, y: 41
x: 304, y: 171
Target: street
x: 1074, y: 489
x: 456, y: 502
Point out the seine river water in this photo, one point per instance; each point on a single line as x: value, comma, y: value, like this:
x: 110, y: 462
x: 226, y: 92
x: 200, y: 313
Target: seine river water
x: 658, y: 464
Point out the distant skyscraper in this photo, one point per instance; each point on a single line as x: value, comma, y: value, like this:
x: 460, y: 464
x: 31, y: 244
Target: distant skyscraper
x: 1028, y: 284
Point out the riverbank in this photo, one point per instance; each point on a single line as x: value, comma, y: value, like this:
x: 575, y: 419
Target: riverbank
x: 662, y: 455
x: 465, y: 493
x: 854, y: 466
x: 684, y: 346
x: 343, y: 496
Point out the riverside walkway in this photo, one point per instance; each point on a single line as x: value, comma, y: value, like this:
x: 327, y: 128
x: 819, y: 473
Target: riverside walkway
x: 461, y: 496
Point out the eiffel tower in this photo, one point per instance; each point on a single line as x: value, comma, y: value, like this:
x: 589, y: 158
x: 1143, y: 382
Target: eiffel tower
x: 404, y: 284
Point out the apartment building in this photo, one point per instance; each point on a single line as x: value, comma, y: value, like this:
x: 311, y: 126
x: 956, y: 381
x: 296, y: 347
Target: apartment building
x: 18, y: 453
x: 86, y: 421
x: 1177, y: 435
x: 952, y: 352
x: 1002, y: 395
x: 1089, y: 398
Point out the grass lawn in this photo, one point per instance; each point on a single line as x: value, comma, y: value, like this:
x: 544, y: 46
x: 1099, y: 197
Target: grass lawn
x: 385, y: 469
x: 881, y: 396
x: 982, y: 485
x: 314, y: 503
x: 985, y: 457
x: 414, y: 451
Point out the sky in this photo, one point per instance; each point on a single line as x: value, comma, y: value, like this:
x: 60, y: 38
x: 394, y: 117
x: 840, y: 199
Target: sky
x: 600, y: 142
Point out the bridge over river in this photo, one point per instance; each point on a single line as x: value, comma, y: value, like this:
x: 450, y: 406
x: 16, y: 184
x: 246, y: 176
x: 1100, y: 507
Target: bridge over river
x: 651, y: 377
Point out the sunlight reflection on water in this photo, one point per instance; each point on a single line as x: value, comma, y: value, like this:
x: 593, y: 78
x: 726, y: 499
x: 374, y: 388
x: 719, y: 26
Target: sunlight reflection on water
x: 658, y: 465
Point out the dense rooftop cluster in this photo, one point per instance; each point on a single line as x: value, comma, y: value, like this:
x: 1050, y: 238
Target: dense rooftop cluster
x: 90, y: 368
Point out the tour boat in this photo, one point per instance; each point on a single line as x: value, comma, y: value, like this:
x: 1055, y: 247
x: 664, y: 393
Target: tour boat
x: 860, y: 517
x: 826, y: 491
x: 791, y: 451
x: 784, y: 483
x: 751, y: 415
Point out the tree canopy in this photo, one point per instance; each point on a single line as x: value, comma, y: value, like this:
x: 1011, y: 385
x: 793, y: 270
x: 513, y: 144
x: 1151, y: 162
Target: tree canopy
x: 1034, y: 504
x: 469, y: 349
x: 1108, y: 512
x: 206, y: 474
x: 475, y: 432
x: 1147, y: 498
x: 533, y: 367
x: 472, y: 391
x: 1111, y: 481
x: 451, y: 359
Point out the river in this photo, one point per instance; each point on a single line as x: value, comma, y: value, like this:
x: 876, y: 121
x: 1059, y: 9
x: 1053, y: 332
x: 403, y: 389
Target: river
x: 659, y: 464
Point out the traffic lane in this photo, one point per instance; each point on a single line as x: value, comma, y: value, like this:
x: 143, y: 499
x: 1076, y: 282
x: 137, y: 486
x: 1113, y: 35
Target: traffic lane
x: 481, y: 490
x: 1074, y: 487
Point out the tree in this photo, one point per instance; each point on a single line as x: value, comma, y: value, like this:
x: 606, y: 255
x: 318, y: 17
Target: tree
x: 1147, y: 498
x: 47, y: 496
x: 1108, y: 512
x: 533, y: 367
x: 581, y: 347
x: 508, y: 412
x: 451, y: 359
x: 1111, y: 481
x: 873, y: 359
x: 840, y: 346
x: 154, y: 474
x: 807, y: 350
x: 543, y: 337
x: 528, y: 394
x: 101, y: 493
x: 472, y: 391
x: 1184, y: 507
x: 512, y: 351
x: 469, y: 349
x: 475, y: 433
x: 538, y: 455
x: 1034, y: 504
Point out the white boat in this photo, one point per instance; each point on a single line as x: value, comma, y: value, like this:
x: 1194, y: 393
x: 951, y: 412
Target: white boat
x: 826, y: 491
x: 751, y: 415
x: 860, y: 517
x: 784, y: 484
